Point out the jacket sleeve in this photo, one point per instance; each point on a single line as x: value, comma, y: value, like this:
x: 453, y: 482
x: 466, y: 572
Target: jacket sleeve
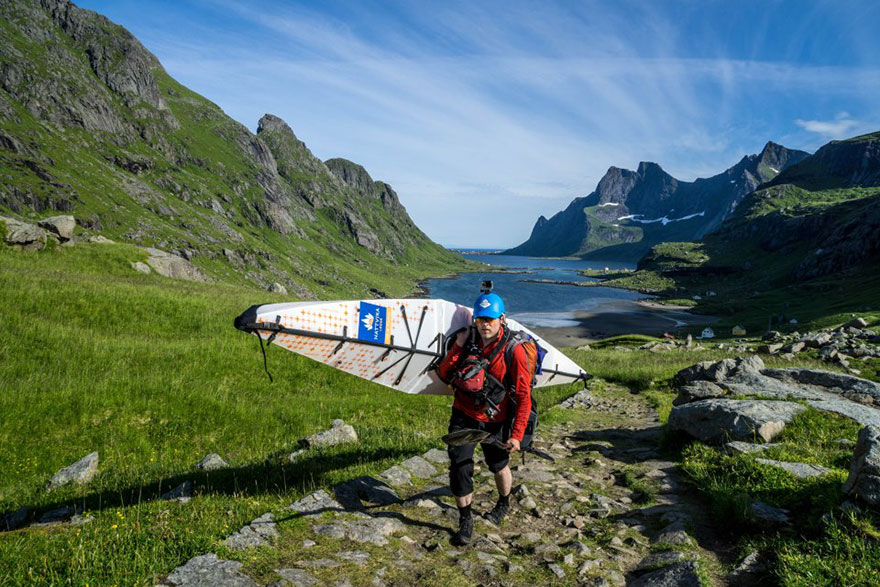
x: 447, y: 364
x: 522, y: 392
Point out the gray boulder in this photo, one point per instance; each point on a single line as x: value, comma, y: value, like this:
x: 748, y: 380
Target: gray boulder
x: 857, y: 323
x: 372, y: 530
x: 170, y: 265
x: 277, y: 288
x: 339, y: 433
x: 396, y: 476
x: 746, y: 448
x: 212, y: 462
x: 62, y: 226
x: 697, y: 390
x: 80, y: 472
x: 419, y: 467
x: 678, y: 575
x: 815, y: 340
x: 182, y: 493
x: 296, y: 577
x: 141, y: 267
x: 720, y: 370
x: 23, y: 236
x: 98, y: 239
x: 718, y: 420
x: 794, y: 347
x: 315, y: 504
x: 208, y: 571
x: 863, y: 482
x: 260, y: 532
x: 847, y: 385
x: 14, y: 520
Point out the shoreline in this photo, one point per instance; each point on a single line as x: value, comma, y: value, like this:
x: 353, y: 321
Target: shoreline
x: 622, y: 317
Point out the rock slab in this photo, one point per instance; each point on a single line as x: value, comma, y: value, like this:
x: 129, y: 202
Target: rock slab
x: 208, y: 570
x: 863, y: 482
x: 717, y: 420
x: 338, y: 433
x: 259, y: 532
x: 80, y: 472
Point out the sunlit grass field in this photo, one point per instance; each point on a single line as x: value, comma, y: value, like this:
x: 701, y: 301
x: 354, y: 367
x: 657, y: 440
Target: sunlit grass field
x: 150, y: 373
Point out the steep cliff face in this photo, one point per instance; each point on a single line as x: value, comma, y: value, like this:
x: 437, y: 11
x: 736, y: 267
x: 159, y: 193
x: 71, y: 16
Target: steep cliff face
x: 91, y: 124
x: 633, y: 210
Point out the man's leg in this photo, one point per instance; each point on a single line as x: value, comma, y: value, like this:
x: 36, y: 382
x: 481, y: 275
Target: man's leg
x: 498, y: 460
x: 461, y: 473
x: 504, y: 481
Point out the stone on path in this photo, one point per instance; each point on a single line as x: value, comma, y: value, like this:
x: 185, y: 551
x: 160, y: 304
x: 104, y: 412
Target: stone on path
x: 396, y: 476
x: 435, y: 455
x: 338, y: 433
x: 258, y: 533
x: 373, y: 530
x: 62, y: 226
x: 295, y: 577
x: 365, y: 489
x: 864, y: 472
x: 799, y: 470
x: 80, y: 472
x: 769, y: 515
x: 358, y: 557
x: 316, y: 503
x: 678, y: 575
x: 660, y: 559
x: 212, y: 462
x: 715, y: 420
x: 208, y: 570
x: 419, y: 467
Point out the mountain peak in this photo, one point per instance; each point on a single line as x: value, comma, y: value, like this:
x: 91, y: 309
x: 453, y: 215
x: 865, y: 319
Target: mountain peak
x: 272, y: 123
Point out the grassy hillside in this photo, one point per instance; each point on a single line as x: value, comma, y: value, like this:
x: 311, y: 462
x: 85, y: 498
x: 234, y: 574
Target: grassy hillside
x: 92, y: 125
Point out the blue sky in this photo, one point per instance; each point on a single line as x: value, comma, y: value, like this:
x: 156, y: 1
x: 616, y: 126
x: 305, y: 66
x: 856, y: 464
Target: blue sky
x: 485, y: 115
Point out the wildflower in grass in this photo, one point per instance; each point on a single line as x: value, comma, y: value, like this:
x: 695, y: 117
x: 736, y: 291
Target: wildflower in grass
x: 114, y: 526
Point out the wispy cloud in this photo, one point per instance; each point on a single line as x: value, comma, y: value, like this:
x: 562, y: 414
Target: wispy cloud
x: 488, y: 108
x: 841, y: 127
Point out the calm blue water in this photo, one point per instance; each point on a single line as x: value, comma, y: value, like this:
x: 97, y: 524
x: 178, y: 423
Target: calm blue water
x: 534, y: 304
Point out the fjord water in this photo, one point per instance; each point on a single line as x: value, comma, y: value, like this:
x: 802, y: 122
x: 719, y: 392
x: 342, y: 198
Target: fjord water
x: 537, y: 305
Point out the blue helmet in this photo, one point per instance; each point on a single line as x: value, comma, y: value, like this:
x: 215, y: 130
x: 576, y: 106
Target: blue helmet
x: 488, y: 305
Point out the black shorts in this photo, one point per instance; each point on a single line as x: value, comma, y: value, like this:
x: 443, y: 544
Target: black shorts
x: 461, y: 458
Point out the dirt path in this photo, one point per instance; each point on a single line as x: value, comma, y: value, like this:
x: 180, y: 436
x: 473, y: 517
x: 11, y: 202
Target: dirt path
x: 608, y: 511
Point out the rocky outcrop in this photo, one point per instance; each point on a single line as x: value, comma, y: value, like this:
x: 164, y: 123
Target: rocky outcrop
x: 863, y: 482
x: 719, y: 420
x: 22, y: 235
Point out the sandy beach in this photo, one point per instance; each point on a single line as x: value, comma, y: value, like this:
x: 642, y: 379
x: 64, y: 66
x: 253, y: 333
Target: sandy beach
x: 623, y: 317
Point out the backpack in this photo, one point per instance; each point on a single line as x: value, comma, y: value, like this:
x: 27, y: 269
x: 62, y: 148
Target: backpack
x: 471, y: 375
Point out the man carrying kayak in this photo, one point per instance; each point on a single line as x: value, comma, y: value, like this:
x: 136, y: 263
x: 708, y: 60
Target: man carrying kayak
x: 491, y: 372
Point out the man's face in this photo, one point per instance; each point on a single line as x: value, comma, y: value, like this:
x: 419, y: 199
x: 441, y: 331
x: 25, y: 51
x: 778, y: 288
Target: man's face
x: 488, y: 328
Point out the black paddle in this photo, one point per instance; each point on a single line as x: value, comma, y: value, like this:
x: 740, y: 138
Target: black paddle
x: 472, y: 436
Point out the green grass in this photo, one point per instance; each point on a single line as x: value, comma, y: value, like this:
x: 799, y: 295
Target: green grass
x: 151, y: 373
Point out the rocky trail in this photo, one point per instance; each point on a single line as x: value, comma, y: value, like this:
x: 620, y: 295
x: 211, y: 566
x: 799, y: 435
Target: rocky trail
x: 610, y: 510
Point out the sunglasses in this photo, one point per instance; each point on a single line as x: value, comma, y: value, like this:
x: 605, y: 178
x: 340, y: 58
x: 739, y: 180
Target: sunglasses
x: 485, y: 319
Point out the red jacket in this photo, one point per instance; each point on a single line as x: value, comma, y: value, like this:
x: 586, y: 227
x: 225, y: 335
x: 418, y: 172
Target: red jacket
x: 464, y: 401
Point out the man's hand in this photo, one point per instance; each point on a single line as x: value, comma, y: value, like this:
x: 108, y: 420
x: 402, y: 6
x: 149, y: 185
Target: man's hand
x: 512, y: 445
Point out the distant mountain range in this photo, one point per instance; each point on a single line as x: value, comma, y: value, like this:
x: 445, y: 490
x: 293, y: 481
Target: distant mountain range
x: 92, y: 125
x: 630, y: 211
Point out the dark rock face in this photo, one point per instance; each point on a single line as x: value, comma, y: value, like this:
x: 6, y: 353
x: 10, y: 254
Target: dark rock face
x: 839, y: 164
x: 650, y: 193
x: 864, y: 473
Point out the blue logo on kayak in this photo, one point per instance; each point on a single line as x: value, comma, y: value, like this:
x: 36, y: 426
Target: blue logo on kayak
x: 372, y: 324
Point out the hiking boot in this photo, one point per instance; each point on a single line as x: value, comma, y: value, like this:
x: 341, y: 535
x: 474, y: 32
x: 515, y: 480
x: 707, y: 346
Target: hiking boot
x: 465, y: 531
x: 498, y: 512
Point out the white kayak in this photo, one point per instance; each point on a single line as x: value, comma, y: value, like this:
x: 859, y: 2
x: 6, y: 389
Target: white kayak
x: 394, y: 342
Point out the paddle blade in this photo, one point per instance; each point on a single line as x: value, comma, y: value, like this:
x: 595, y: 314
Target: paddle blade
x: 460, y: 437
